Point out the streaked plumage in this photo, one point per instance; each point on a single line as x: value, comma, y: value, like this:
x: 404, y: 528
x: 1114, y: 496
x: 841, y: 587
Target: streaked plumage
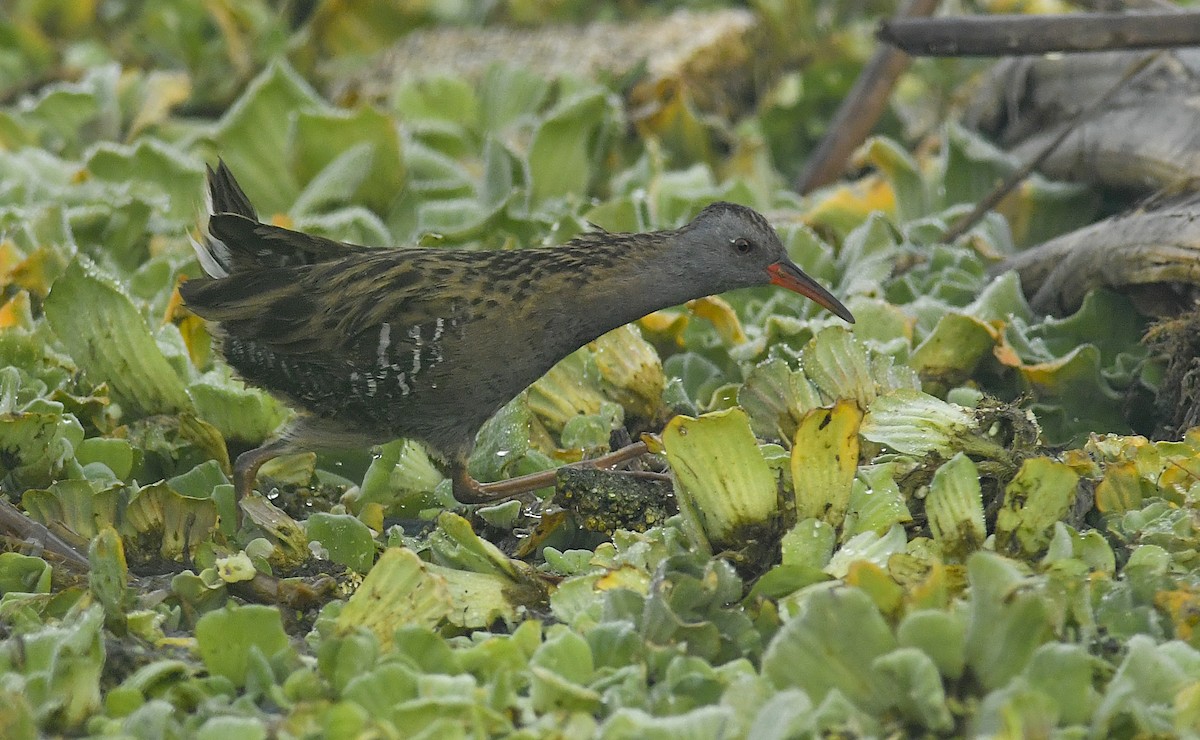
x: 427, y: 344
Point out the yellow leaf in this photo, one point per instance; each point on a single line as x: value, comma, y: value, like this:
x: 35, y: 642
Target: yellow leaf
x: 665, y: 326
x: 824, y: 460
x: 876, y: 583
x: 845, y: 206
x: 163, y: 91
x: 16, y: 312
x: 1121, y: 489
x: 10, y: 258
x: 398, y: 591
x: 1183, y: 606
x: 717, y: 310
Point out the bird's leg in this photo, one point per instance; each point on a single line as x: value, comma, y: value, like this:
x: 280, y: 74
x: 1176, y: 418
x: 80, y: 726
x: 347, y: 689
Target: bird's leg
x: 467, y: 490
x: 245, y: 469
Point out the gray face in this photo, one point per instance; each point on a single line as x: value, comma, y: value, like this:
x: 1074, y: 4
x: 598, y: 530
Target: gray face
x: 732, y: 246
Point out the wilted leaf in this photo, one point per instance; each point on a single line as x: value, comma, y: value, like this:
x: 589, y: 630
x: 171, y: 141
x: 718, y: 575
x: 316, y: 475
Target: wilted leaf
x: 1039, y: 496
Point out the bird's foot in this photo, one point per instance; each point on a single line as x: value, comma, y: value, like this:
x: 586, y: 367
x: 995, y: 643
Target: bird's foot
x: 245, y: 469
x: 467, y: 490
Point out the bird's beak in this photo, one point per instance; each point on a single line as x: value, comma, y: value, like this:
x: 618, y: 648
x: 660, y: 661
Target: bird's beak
x: 787, y: 275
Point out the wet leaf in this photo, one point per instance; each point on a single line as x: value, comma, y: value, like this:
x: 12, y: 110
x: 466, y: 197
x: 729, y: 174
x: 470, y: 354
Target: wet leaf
x: 108, y: 337
x: 397, y: 591
x: 226, y: 638
x: 725, y: 485
x: 824, y: 461
x: 955, y: 508
x: 347, y: 540
x: 1038, y: 497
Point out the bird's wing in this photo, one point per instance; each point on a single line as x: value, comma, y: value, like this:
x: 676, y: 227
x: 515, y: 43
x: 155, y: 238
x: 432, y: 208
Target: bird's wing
x: 252, y: 245
x: 340, y: 311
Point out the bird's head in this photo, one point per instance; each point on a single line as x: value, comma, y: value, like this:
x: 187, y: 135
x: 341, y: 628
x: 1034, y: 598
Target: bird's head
x: 732, y: 246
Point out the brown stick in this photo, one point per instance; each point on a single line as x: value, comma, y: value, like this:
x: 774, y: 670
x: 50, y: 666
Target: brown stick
x: 860, y: 110
x: 533, y: 481
x: 993, y: 198
x: 1007, y: 35
x: 13, y: 522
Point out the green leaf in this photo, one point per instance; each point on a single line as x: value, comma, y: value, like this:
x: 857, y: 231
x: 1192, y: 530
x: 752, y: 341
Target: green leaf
x: 200, y: 481
x: 952, y: 351
x: 116, y: 454
x: 224, y: 638
x: 833, y: 646
x: 916, y: 688
x: 916, y: 423
x: 348, y: 540
x: 180, y: 523
x: 152, y: 170
x: 254, y: 136
x: 510, y: 92
x: 560, y: 157
x: 809, y: 543
x: 108, y: 577
x: 446, y: 99
x: 238, y: 412
x: 109, y: 339
x: 23, y: 574
x: 704, y: 723
x: 940, y: 635
x: 725, y: 485
x: 397, y: 591
x: 955, y: 508
x: 73, y: 504
x: 233, y: 728
x: 1005, y: 623
x: 502, y: 447
x: 766, y: 398
x: 321, y: 137
x: 876, y: 502
x: 1066, y: 673
x: 38, y: 441
x: 1034, y: 501
x: 455, y: 544
x: 902, y: 171
x: 61, y: 667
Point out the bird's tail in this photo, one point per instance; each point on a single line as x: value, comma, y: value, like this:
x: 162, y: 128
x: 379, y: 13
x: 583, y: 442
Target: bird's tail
x: 224, y: 196
x: 236, y: 241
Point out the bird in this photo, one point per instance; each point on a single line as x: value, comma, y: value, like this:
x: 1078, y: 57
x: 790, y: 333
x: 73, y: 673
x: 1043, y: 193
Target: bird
x: 372, y: 344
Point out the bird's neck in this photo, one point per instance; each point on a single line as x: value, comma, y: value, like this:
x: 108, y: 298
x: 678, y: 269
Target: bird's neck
x: 629, y: 279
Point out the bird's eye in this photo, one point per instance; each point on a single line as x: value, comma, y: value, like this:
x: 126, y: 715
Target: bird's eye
x: 743, y: 246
